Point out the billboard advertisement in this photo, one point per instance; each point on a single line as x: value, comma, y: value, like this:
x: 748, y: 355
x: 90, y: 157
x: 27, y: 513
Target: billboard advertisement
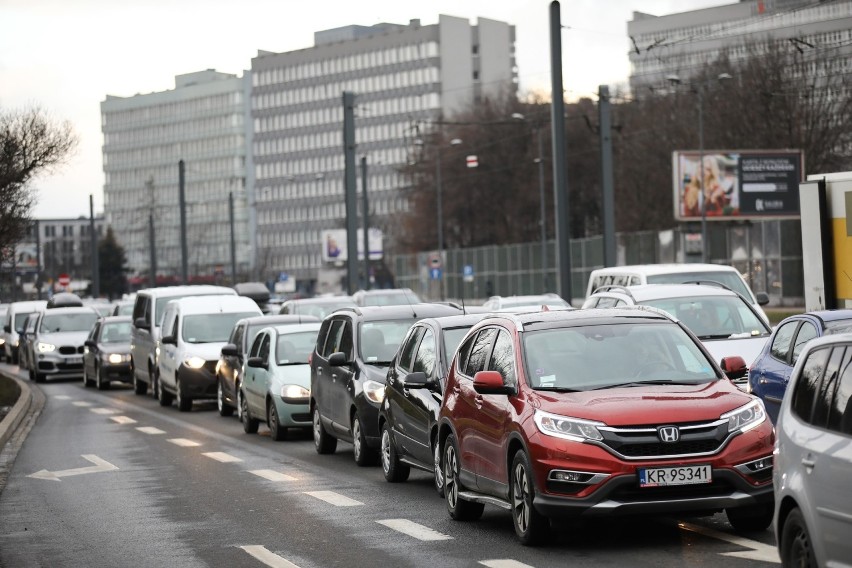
x: 334, y: 247
x: 738, y: 184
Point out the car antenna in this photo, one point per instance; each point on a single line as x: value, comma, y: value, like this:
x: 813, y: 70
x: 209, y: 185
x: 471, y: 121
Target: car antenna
x: 410, y: 304
x: 464, y: 309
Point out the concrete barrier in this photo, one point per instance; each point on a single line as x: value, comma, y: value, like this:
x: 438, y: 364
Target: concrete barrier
x: 11, y: 421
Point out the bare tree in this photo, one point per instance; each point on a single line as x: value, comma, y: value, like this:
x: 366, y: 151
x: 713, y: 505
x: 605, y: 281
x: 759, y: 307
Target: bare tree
x: 31, y: 143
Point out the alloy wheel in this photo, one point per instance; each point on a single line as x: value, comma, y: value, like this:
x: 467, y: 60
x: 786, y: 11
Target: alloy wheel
x: 386, y: 457
x: 219, y: 402
x: 356, y: 441
x: 451, y: 486
x: 521, y: 499
x: 439, y: 471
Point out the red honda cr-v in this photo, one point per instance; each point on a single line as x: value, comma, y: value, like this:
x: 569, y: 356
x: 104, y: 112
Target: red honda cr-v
x: 600, y: 412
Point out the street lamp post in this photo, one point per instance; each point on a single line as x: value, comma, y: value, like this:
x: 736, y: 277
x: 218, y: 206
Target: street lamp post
x: 440, y: 205
x: 543, y: 216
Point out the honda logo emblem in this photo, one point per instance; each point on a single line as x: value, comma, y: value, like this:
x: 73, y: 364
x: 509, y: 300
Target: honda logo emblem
x: 669, y: 434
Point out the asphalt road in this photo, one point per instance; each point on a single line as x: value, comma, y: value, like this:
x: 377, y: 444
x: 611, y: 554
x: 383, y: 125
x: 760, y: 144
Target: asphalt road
x: 111, y: 479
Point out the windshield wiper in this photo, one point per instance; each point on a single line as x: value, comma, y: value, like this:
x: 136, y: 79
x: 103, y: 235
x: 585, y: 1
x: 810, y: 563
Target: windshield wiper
x: 292, y: 363
x: 716, y: 336
x: 555, y: 389
x: 643, y: 383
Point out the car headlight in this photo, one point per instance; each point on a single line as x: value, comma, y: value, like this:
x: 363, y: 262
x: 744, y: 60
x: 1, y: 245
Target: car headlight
x: 746, y: 417
x: 194, y: 362
x: 574, y: 429
x: 116, y: 358
x: 45, y: 347
x: 2, y: 341
x: 295, y: 392
x: 374, y: 391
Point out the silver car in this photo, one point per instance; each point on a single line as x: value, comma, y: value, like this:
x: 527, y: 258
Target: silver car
x: 813, y: 457
x: 58, y: 342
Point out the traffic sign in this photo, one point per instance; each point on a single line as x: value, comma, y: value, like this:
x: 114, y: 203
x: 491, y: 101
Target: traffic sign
x: 467, y: 273
x: 435, y: 273
x: 283, y: 277
x: 64, y: 280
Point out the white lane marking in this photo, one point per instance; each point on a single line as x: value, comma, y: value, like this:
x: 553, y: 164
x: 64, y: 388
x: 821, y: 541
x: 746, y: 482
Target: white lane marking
x: 222, y: 457
x: 100, y: 465
x: 103, y: 410
x: 62, y: 397
x: 122, y: 419
x: 184, y: 443
x: 757, y: 550
x: 333, y: 498
x: 267, y: 557
x: 272, y: 475
x: 150, y: 430
x: 82, y: 403
x: 413, y: 529
x: 504, y: 563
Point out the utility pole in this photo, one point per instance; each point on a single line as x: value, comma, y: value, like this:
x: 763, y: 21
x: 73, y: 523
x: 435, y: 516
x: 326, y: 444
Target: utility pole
x: 38, y: 259
x: 233, y: 240
x: 182, y: 204
x: 607, y: 184
x: 365, y: 213
x: 96, y: 276
x: 543, y: 215
x: 350, y: 191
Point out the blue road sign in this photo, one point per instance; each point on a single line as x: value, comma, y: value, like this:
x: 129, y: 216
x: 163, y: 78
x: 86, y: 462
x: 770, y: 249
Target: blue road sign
x: 467, y: 273
x: 436, y: 273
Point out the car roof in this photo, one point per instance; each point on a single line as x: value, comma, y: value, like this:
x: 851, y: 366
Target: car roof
x: 205, y: 289
x: 71, y: 310
x: 650, y: 269
x: 645, y: 292
x: 116, y: 319
x: 828, y: 315
x: 322, y: 300
x: 571, y: 318
x: 212, y: 303
x: 445, y: 322
x: 279, y: 319
x: 308, y: 326
x: 400, y: 311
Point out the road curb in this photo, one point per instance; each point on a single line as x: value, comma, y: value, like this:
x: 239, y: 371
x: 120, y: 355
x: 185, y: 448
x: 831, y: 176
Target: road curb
x: 12, y: 420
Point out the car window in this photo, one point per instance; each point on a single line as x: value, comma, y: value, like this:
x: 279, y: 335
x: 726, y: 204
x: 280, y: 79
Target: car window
x: 237, y: 335
x: 806, y: 332
x: 210, y: 328
x: 20, y: 320
x: 255, y: 347
x: 479, y: 352
x: 840, y: 414
x: 783, y: 338
x: 93, y: 335
x: 31, y: 323
x: 116, y: 332
x: 333, y: 341
x: 407, y: 352
x: 464, y: 353
x: 729, y: 278
x: 503, y: 358
x: 380, y: 339
x: 263, y: 353
x: 606, y: 302
x: 827, y: 386
x: 426, y: 355
x: 802, y: 401
x: 294, y: 348
x: 452, y: 338
x: 714, y: 317
x: 51, y: 323
x: 346, y: 342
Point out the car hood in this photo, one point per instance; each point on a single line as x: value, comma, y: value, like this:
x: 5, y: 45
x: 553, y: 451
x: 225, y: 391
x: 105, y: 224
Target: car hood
x: 374, y: 373
x: 207, y: 351
x: 747, y: 347
x: 114, y: 347
x: 61, y: 338
x: 651, y: 404
x: 292, y: 375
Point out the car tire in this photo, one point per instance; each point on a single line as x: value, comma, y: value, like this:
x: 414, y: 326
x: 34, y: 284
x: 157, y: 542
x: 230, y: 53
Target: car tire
x: 323, y: 441
x: 364, y: 455
x: 276, y: 431
x: 99, y: 379
x: 154, y: 375
x: 184, y: 403
x: 224, y: 408
x: 139, y: 387
x: 31, y: 374
x: 530, y: 526
x: 250, y: 424
x: 439, y: 468
x: 40, y: 377
x: 163, y: 395
x: 750, y: 519
x: 394, y: 470
x: 459, y: 509
x: 796, y: 547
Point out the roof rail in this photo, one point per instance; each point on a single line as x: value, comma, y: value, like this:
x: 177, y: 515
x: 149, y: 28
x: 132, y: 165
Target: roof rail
x: 614, y: 288
x: 707, y: 283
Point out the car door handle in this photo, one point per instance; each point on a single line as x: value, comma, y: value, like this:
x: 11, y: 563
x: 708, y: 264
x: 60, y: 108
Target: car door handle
x: 319, y: 371
x: 808, y: 462
x: 478, y: 401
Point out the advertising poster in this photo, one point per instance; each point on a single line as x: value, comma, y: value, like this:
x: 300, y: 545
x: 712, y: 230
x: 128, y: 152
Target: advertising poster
x: 334, y: 246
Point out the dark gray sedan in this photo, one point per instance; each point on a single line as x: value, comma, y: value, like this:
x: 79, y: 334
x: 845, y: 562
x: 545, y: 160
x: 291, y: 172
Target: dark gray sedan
x: 106, y: 357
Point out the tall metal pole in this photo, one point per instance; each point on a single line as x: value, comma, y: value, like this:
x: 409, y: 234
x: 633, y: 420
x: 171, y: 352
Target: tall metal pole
x: 701, y: 173
x: 365, y: 213
x: 351, y: 191
x: 543, y: 217
x: 184, y: 256
x: 152, y: 249
x: 38, y: 259
x: 560, y: 184
x: 93, y: 234
x: 439, y: 206
x: 607, y: 184
x: 233, y: 239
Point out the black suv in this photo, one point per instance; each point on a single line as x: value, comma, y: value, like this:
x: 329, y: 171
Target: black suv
x: 408, y: 420
x: 349, y: 366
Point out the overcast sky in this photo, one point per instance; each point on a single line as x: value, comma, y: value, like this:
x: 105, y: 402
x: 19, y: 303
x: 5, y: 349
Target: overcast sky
x: 67, y: 55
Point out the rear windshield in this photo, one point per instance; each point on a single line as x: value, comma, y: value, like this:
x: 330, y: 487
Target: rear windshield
x: 730, y: 279
x: 211, y: 328
x: 52, y: 323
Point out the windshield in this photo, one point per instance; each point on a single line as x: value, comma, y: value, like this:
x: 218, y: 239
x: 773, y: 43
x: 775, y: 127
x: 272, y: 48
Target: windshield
x: 19, y: 321
x: 211, y: 328
x: 601, y: 356
x: 52, y: 323
x: 714, y: 317
x: 116, y: 332
x: 295, y: 348
x: 380, y: 340
x: 452, y: 338
x: 730, y: 279
x: 125, y: 310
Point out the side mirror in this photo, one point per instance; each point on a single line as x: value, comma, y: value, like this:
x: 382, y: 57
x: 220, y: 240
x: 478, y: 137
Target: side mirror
x: 140, y: 323
x: 762, y: 298
x: 337, y: 359
x: 256, y: 362
x: 490, y: 382
x: 169, y: 340
x: 417, y: 380
x: 229, y: 350
x: 89, y: 343
x: 734, y: 367
x: 7, y: 328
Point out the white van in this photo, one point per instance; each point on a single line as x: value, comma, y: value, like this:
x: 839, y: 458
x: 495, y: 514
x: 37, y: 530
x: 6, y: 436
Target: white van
x: 145, y: 332
x: 13, y: 324
x: 676, y: 274
x: 194, y: 331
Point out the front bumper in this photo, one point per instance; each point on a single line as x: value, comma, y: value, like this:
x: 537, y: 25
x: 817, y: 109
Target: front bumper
x: 121, y: 372
x: 56, y: 365
x: 197, y: 383
x: 293, y: 415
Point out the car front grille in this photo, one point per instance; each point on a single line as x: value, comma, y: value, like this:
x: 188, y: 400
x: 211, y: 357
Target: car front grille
x: 696, y: 439
x: 70, y: 349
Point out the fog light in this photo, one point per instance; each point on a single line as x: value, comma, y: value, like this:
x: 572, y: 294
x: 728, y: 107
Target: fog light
x: 569, y: 476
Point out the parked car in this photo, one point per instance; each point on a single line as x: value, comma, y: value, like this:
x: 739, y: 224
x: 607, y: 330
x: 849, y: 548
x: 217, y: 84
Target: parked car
x: 194, y: 331
x: 25, y: 342
x: 349, y: 366
x: 231, y: 365
x: 386, y: 297
x: 16, y: 314
x: 276, y: 388
x: 632, y: 275
x: 723, y: 320
x: 499, y: 303
x: 573, y: 413
x: 123, y: 308
x: 58, y: 342
x: 106, y: 357
x: 813, y: 460
x: 770, y: 373
x: 318, y: 307
x: 148, y: 309
x: 408, y: 419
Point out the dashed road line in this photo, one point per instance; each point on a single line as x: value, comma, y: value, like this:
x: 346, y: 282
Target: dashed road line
x: 414, y: 530
x: 150, y: 430
x: 183, y: 442
x: 61, y: 397
x: 757, y: 550
x: 333, y: 498
x: 122, y: 419
x: 269, y: 558
x: 504, y: 563
x: 82, y: 403
x: 222, y: 457
x: 103, y: 411
x: 272, y: 475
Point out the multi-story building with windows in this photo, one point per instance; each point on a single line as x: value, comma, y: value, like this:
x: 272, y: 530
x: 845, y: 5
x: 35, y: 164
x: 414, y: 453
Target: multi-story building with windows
x: 401, y: 75
x: 681, y: 44
x: 204, y: 122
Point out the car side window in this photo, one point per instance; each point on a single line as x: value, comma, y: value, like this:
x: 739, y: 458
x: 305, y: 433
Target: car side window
x: 264, y: 347
x: 426, y: 355
x: 346, y: 343
x: 408, y: 348
x: 840, y: 413
x: 464, y: 352
x: 479, y: 352
x: 503, y: 359
x: 170, y: 324
x: 93, y: 335
x: 805, y: 392
x: 783, y: 338
x: 822, y: 404
x: 807, y: 332
x: 237, y: 337
x: 606, y: 302
x: 255, y: 347
x: 332, y: 343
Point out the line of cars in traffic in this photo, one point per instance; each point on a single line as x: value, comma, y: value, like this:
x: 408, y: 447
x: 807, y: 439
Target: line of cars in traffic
x: 550, y: 413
